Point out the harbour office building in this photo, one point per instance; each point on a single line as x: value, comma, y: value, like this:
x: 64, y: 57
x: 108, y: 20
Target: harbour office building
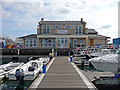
x: 67, y: 34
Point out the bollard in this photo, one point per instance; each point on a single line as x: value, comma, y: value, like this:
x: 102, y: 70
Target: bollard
x: 70, y: 58
x: 44, y: 67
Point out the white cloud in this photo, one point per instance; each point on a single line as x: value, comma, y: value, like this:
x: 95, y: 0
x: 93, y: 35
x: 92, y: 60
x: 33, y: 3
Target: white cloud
x: 96, y: 13
x: 5, y: 14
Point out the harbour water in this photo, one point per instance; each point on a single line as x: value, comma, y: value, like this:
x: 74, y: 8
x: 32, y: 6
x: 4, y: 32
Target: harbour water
x: 14, y: 85
x: 108, y: 84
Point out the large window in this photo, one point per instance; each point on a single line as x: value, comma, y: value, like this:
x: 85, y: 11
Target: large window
x: 46, y: 29
x: 78, y: 29
x: 62, y: 42
x: 48, y: 42
x: 30, y: 43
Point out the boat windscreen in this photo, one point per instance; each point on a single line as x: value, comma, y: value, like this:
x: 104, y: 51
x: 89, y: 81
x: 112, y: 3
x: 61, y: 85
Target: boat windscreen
x: 117, y: 52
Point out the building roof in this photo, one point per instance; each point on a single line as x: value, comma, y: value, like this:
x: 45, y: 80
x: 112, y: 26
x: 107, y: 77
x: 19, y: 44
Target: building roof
x: 29, y: 36
x: 98, y: 36
x: 92, y: 31
x: 62, y: 23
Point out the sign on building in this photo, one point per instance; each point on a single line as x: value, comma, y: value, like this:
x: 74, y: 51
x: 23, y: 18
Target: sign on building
x: 62, y: 32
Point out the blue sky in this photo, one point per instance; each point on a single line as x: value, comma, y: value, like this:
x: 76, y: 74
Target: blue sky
x: 21, y: 17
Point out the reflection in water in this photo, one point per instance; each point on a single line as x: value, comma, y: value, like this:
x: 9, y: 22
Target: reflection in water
x: 15, y: 84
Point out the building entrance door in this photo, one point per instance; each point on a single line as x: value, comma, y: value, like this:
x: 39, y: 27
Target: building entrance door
x: 62, y: 42
x: 91, y: 42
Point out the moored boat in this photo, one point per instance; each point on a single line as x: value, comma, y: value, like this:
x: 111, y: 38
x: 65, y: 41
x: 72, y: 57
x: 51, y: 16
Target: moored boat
x: 5, y: 69
x: 28, y: 71
x: 108, y: 62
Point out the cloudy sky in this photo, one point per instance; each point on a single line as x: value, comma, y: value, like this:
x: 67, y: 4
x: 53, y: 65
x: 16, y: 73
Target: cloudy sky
x: 20, y: 18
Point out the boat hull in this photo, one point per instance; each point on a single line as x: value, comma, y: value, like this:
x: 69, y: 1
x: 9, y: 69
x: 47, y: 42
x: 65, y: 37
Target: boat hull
x: 111, y: 67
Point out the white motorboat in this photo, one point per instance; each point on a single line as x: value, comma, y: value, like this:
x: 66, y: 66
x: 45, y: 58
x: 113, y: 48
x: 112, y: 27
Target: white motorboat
x: 107, y: 62
x: 100, y: 53
x: 27, y: 72
x: 7, y: 68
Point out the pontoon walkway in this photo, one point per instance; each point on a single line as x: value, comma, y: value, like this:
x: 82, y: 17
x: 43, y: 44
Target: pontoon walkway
x: 63, y: 74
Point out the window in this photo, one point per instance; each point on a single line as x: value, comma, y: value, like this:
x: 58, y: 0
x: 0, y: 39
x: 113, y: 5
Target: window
x: 48, y: 42
x: 30, y: 45
x: 58, y: 27
x: 66, y: 42
x: 27, y: 41
x: 68, y: 27
x: 62, y: 40
x: 46, y: 30
x: 34, y: 41
x: 53, y: 42
x: 74, y: 42
x: 78, y: 30
x: 70, y: 43
x: 53, y: 27
x: 58, y: 42
x: 30, y: 41
x: 80, y: 41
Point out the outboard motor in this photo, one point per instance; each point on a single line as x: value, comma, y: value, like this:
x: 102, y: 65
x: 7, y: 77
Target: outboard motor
x: 19, y: 74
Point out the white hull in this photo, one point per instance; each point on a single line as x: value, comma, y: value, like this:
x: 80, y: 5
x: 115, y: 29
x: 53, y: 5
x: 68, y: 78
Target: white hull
x: 106, y: 67
x: 28, y: 75
x: 11, y: 66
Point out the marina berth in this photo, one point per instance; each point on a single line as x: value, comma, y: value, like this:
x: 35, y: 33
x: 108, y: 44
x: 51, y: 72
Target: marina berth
x: 5, y: 69
x: 28, y: 71
x: 108, y: 62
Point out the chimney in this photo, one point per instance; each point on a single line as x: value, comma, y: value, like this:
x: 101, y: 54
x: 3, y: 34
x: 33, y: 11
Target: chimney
x: 42, y: 19
x: 81, y: 19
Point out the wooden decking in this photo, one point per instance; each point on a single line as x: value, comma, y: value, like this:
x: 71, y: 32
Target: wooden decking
x: 62, y: 74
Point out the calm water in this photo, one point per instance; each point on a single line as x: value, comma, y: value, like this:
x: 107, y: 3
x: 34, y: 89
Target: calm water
x: 108, y: 84
x: 14, y: 85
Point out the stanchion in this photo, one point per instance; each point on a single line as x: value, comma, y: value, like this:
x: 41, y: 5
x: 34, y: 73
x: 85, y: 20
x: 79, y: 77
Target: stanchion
x: 70, y: 58
x: 44, y: 67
